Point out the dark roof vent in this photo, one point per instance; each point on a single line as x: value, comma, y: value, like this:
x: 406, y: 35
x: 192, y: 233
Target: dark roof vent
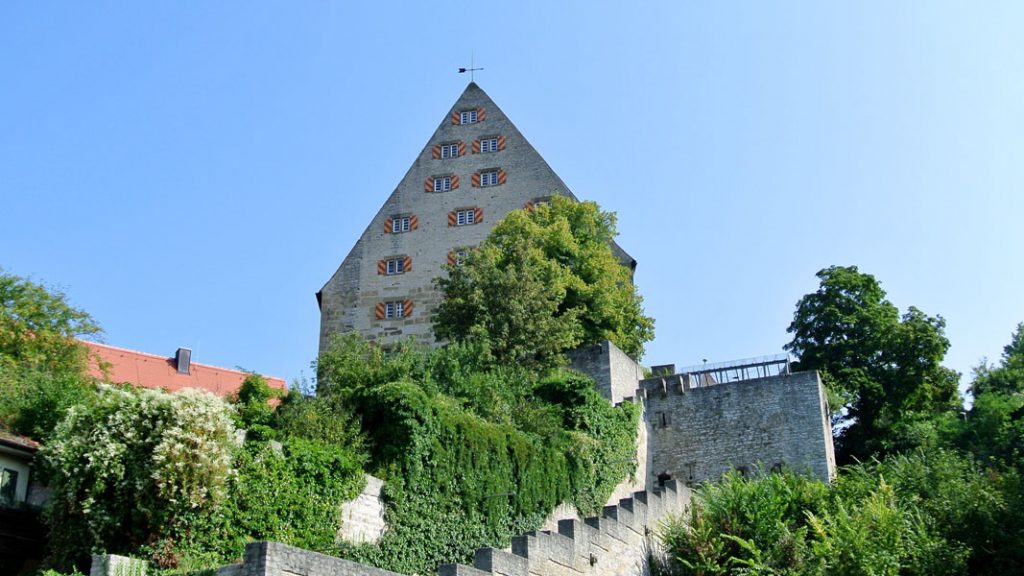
x: 183, y: 357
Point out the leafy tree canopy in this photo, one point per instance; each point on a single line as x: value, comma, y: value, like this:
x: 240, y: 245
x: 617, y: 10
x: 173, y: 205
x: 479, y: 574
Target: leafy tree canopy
x: 41, y: 362
x: 542, y: 283
x: 38, y: 327
x: 883, y: 370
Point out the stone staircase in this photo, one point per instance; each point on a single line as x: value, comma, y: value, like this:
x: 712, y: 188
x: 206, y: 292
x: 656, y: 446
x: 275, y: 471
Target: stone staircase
x: 619, y: 542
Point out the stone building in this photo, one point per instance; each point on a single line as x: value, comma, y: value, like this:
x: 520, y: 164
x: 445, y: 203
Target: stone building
x: 475, y: 169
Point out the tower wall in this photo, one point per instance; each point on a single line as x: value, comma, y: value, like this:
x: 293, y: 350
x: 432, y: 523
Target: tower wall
x: 698, y: 434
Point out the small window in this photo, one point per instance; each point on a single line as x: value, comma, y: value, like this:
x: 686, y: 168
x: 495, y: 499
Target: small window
x: 394, y: 310
x: 465, y: 217
x: 395, y: 266
x: 400, y: 224
x: 460, y: 256
x: 442, y: 184
x: 489, y: 145
x: 450, y: 150
x: 467, y: 117
x: 489, y: 178
x: 8, y: 486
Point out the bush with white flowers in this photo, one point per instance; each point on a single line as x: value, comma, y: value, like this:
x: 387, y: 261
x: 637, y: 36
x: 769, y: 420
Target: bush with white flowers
x: 133, y: 465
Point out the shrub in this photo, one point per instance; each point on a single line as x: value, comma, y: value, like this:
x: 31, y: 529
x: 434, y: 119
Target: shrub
x: 133, y: 465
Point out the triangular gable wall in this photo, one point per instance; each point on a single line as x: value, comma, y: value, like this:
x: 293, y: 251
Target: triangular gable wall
x: 362, y: 295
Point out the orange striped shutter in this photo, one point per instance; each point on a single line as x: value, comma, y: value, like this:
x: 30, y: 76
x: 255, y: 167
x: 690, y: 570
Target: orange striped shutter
x: 476, y: 146
x: 428, y: 185
x: 379, y: 311
x: 455, y: 181
x: 414, y: 222
x: 452, y: 258
x: 452, y: 218
x: 528, y: 206
x: 437, y: 152
x: 480, y: 115
x: 501, y: 176
x: 407, y: 262
x: 476, y: 180
x: 479, y: 216
x: 501, y: 142
x: 388, y: 223
x: 455, y: 117
x: 382, y: 267
x: 462, y: 148
x: 406, y: 308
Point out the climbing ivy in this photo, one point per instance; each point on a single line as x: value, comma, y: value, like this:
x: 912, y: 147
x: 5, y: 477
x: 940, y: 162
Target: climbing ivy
x: 456, y: 481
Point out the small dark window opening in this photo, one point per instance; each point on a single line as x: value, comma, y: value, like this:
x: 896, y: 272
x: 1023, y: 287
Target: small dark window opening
x: 663, y: 478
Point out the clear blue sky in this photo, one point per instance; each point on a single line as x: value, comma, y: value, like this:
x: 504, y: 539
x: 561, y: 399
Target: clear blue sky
x: 191, y: 173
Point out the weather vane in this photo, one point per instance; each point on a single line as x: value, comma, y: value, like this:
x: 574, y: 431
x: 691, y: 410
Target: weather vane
x: 471, y: 69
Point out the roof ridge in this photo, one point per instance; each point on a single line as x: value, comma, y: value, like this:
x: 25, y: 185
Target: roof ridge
x: 159, y: 357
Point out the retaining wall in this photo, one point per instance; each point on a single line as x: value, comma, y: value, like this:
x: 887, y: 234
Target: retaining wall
x: 616, y: 543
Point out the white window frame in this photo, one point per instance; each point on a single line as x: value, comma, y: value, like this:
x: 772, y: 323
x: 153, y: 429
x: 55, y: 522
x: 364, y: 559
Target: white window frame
x: 468, y: 117
x: 401, y: 224
x: 488, y: 178
x: 460, y: 256
x: 442, y: 183
x: 465, y: 217
x: 395, y: 266
x: 450, y: 150
x: 488, y: 145
x: 394, y: 310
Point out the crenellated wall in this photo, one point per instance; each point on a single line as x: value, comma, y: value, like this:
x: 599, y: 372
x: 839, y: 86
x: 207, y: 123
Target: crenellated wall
x: 616, y: 543
x: 700, y: 433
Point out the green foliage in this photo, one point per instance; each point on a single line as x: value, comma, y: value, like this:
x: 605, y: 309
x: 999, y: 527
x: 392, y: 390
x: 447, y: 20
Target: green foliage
x: 927, y: 512
x: 351, y: 364
x: 133, y: 465
x: 744, y: 526
x: 885, y: 368
x: 291, y: 494
x: 317, y: 418
x: 41, y: 362
x: 542, y: 283
x: 38, y: 327
x: 33, y: 401
x: 1008, y: 377
x: 252, y: 403
x: 473, y: 454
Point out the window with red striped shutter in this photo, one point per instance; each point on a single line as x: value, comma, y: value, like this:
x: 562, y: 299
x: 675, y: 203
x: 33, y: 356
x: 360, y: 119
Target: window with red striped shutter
x: 400, y: 223
x: 393, y: 309
x: 441, y: 183
x: 394, y: 266
x: 489, y: 177
x: 465, y: 216
x: 489, y: 144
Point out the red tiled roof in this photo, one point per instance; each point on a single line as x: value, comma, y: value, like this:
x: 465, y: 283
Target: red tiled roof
x: 154, y: 371
x: 14, y: 440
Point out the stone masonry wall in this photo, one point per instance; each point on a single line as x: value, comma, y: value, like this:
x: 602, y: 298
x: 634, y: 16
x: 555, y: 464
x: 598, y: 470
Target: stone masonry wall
x: 617, y: 543
x: 700, y: 433
x: 615, y: 374
x: 362, y: 519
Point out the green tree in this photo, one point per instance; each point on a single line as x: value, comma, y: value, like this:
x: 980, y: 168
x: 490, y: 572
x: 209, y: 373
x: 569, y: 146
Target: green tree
x: 542, y: 283
x: 1008, y: 376
x: 883, y: 371
x: 38, y: 327
x: 42, y: 364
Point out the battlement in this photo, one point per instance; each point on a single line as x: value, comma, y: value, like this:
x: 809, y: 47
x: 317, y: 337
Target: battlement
x: 616, y: 542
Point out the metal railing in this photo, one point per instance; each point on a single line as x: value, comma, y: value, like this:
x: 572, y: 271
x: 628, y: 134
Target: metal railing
x: 735, y: 370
